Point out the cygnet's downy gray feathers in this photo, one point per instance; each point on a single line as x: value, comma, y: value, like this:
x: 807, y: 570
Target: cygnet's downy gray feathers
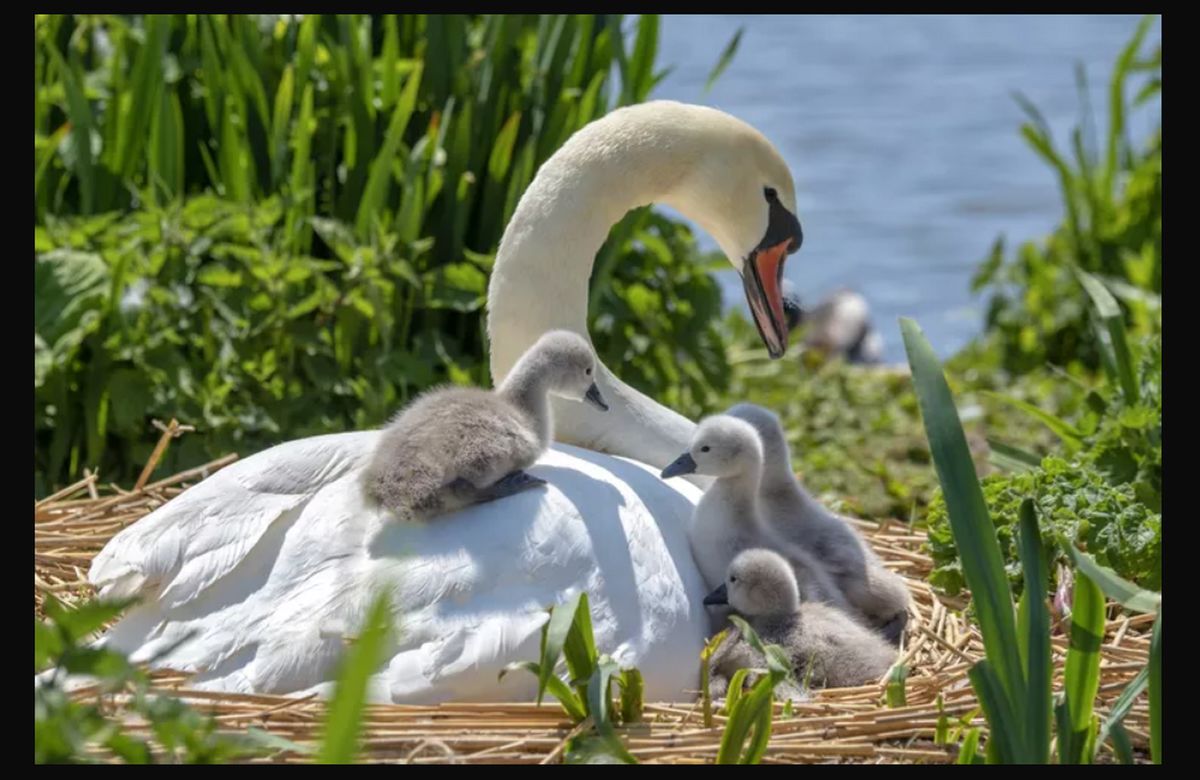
x: 456, y: 446
x: 879, y: 594
x: 727, y: 518
x: 826, y: 646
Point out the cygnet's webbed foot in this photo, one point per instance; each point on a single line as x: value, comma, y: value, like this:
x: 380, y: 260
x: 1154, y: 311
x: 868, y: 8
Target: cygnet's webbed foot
x: 515, y: 482
x: 894, y: 628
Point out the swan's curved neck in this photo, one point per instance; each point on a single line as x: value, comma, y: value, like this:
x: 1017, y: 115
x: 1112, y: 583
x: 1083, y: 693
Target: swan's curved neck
x: 544, y: 263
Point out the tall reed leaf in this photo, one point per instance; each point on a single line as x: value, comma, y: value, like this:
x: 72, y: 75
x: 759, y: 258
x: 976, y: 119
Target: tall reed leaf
x: 1155, y: 687
x: 1036, y: 632
x: 1110, y: 314
x: 727, y: 55
x: 1115, y: 587
x: 974, y: 534
x: 1082, y: 676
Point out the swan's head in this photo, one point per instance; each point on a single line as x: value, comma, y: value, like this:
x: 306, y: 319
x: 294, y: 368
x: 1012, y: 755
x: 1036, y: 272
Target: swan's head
x: 739, y: 189
x: 758, y: 582
x: 723, y: 446
x: 567, y: 364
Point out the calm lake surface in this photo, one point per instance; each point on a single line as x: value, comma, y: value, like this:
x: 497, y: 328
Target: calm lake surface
x: 903, y: 136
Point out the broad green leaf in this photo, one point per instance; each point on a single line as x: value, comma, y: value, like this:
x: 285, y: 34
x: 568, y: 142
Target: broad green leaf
x: 974, y: 533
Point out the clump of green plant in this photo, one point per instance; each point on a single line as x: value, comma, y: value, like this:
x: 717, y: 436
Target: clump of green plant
x: 749, y: 712
x: 273, y: 227
x: 1014, y: 681
x: 1073, y: 501
x: 587, y: 695
x: 68, y: 729
x: 1112, y: 228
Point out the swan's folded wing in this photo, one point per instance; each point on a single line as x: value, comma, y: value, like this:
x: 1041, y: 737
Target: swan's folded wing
x: 183, y: 547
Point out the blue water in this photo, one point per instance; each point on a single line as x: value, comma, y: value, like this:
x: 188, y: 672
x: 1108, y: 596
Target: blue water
x: 902, y: 135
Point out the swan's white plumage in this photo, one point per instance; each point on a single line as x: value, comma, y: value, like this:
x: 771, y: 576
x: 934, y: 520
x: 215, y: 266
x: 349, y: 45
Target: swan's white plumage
x: 271, y: 561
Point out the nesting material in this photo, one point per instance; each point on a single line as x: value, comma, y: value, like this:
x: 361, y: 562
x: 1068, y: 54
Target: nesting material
x: 845, y: 725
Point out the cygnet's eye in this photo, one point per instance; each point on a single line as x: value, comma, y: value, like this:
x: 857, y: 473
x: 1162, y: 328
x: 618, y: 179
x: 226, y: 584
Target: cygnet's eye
x: 589, y: 372
x: 705, y: 448
x: 733, y: 579
x: 771, y: 193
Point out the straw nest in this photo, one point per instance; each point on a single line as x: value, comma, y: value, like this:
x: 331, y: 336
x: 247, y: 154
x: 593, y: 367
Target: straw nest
x: 838, y: 725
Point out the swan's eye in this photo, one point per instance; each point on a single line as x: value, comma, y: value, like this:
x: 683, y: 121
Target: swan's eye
x: 705, y: 448
x: 770, y: 192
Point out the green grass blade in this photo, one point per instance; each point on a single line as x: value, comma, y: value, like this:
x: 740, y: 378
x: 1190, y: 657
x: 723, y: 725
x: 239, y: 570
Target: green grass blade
x: 1121, y: 744
x: 1038, y: 662
x: 500, y: 158
x: 727, y: 55
x: 1121, y: 707
x: 737, y: 683
x: 1110, y: 314
x: 554, y: 686
x: 375, y: 194
x: 280, y: 120
x: 752, y: 711
x: 896, y: 687
x: 1081, y: 679
x: 598, y: 694
x: 80, y: 114
x: 146, y: 81
x: 580, y: 647
x: 706, y: 674
x: 1113, y: 585
x: 969, y: 752
x: 1116, y: 101
x: 1155, y: 690
x: 1011, y: 458
x: 554, y: 638
x: 1070, y: 436
x: 633, y: 697
x: 641, y: 62
x: 1004, y: 728
x: 974, y: 533
x: 343, y: 721
x: 762, y: 734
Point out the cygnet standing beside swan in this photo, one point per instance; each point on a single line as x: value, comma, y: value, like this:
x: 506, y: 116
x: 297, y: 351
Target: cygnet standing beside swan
x: 728, y: 519
x: 268, y: 564
x: 879, y: 594
x: 457, y: 446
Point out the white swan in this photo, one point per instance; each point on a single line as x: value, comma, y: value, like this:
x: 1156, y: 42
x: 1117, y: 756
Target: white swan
x: 269, y: 563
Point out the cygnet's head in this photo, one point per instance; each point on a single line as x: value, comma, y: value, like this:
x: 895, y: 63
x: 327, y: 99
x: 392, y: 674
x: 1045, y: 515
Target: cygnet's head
x: 758, y: 582
x: 723, y: 446
x: 567, y: 364
x: 770, y: 430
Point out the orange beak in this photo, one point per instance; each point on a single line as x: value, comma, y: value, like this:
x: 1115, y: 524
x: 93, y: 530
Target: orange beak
x: 763, y: 282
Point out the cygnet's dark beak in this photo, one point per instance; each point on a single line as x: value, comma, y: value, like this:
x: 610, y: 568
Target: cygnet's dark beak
x: 717, y: 597
x: 684, y: 464
x: 594, y: 398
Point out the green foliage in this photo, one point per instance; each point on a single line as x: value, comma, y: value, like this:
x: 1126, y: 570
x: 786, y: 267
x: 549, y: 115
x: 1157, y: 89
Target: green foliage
x: 273, y: 227
x: 70, y: 729
x: 748, y: 727
x: 567, y: 636
x: 1013, y: 682
x: 1112, y: 228
x: 1073, y: 501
